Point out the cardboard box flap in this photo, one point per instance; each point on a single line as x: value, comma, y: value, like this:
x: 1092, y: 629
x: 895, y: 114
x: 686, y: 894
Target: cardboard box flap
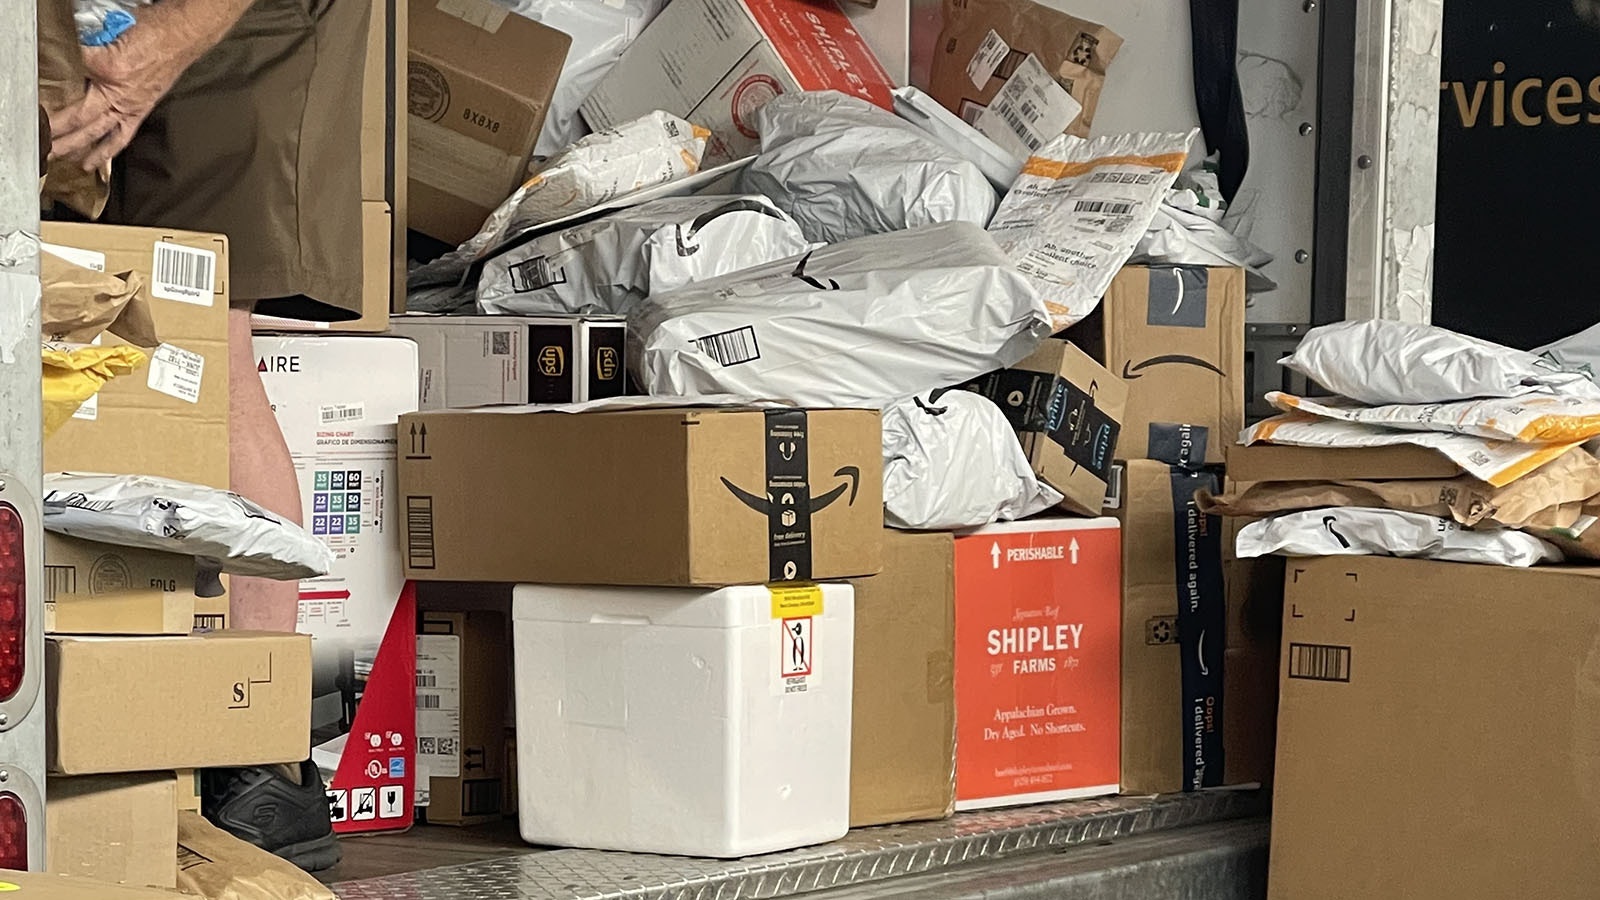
x: 1270, y: 462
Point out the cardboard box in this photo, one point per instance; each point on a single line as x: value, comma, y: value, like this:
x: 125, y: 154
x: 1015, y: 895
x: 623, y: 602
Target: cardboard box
x: 40, y: 886
x: 715, y: 62
x: 1176, y: 334
x: 469, y: 361
x: 121, y: 829
x: 902, y: 752
x: 188, y: 790
x: 480, y: 79
x: 463, y: 688
x: 169, y: 419
x: 93, y: 588
x: 1038, y: 650
x: 233, y: 698
x: 1178, y: 706
x: 649, y: 496
x: 1269, y: 462
x: 1438, y: 732
x: 337, y: 400
x: 212, y: 613
x: 1068, y: 411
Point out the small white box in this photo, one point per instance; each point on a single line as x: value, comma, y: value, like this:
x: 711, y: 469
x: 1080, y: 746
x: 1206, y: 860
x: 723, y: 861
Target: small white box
x: 469, y: 361
x: 682, y: 721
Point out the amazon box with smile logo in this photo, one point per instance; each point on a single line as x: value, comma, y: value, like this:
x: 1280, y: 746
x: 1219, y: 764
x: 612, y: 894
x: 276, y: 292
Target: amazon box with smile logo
x: 632, y: 491
x: 1067, y: 410
x: 1176, y: 334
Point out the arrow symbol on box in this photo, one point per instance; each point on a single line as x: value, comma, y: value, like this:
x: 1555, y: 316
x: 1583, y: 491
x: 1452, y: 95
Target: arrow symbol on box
x: 1073, y: 549
x: 324, y: 595
x: 994, y: 554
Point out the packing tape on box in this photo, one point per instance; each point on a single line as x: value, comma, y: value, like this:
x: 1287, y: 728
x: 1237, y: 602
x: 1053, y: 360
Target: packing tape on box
x: 1202, y: 626
x: 1040, y: 403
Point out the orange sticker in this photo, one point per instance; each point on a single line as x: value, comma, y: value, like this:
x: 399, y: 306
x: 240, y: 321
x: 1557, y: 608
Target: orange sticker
x: 1038, y: 663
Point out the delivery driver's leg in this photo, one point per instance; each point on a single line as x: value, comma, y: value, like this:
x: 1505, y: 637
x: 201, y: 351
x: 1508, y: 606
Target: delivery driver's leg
x: 258, y: 139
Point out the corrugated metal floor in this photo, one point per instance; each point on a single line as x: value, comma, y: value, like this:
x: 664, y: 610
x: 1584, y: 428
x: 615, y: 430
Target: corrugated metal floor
x: 865, y: 857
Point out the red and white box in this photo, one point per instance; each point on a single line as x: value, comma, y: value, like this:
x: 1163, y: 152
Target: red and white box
x: 715, y: 62
x: 1038, y: 662
x: 338, y: 400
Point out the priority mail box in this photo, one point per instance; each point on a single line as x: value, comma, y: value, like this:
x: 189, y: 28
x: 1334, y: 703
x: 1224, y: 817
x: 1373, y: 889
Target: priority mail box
x: 468, y: 361
x: 644, y: 496
x: 715, y: 62
x: 1176, y: 335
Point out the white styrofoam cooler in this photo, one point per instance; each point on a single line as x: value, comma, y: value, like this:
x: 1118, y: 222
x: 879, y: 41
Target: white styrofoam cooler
x: 682, y: 721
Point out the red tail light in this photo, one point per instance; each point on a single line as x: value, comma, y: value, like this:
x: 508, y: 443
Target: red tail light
x: 13, y: 833
x: 13, y: 608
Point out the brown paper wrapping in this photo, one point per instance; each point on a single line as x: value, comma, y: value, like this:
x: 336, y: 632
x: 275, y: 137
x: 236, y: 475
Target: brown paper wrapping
x: 218, y: 866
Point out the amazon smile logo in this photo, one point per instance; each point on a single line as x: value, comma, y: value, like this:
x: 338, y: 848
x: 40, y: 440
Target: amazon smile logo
x: 764, y: 504
x: 1131, y: 371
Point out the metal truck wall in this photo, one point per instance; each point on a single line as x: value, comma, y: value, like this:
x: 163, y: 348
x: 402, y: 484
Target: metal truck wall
x: 1519, y: 133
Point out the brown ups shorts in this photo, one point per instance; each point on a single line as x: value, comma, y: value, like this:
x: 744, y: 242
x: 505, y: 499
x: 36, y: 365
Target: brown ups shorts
x: 261, y: 140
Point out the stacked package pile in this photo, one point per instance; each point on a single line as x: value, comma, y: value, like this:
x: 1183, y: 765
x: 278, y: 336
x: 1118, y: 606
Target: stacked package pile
x: 1512, y: 422
x: 1419, y: 683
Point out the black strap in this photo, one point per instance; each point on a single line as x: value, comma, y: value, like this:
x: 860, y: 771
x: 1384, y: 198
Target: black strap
x: 1214, y: 26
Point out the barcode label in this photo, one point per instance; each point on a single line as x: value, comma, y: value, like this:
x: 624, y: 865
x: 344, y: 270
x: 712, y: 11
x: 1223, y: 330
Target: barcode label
x: 1319, y: 662
x: 419, y: 532
x: 184, y: 274
x: 429, y: 701
x: 990, y: 54
x: 1107, y: 207
x: 210, y: 622
x: 60, y: 581
x: 342, y: 413
x: 730, y: 348
x: 499, y: 343
x: 427, y: 681
x: 535, y: 275
x: 1023, y: 128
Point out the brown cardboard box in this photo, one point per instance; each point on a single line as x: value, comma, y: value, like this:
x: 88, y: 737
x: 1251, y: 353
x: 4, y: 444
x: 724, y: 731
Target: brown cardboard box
x: 385, y: 129
x: 232, y: 698
x: 902, y: 750
x: 181, y: 429
x: 463, y: 687
x: 40, y: 886
x: 213, y: 613
x: 1438, y: 732
x: 667, y: 497
x: 1177, y: 335
x: 480, y: 83
x: 1068, y: 412
x: 116, y: 828
x: 93, y: 588
x: 1269, y: 462
x: 1161, y: 697
x: 1074, y: 52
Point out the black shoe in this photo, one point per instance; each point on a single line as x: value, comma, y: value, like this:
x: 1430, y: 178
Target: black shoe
x: 261, y: 806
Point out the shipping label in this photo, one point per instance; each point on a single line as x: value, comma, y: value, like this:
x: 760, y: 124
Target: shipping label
x: 439, y: 704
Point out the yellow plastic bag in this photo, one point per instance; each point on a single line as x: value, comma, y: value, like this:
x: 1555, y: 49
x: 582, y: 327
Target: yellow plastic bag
x: 74, y: 374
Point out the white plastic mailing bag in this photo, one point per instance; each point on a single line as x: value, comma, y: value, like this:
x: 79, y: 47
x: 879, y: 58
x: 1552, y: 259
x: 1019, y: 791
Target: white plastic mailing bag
x: 845, y: 169
x: 999, y: 165
x: 609, y: 265
x: 951, y: 460
x: 600, y: 31
x: 176, y: 517
x: 867, y: 321
x: 1358, y: 531
x: 1577, y: 353
x: 1381, y: 361
x: 1079, y: 207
